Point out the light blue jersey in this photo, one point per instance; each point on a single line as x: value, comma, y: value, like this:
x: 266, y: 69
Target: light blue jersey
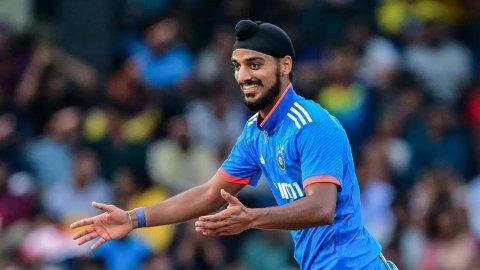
x: 298, y: 144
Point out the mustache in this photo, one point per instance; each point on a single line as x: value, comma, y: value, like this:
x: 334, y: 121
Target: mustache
x: 251, y: 82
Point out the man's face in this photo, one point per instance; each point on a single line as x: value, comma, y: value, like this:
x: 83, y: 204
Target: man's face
x: 258, y: 76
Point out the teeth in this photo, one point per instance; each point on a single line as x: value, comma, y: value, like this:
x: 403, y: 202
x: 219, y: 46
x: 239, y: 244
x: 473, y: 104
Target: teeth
x: 248, y: 86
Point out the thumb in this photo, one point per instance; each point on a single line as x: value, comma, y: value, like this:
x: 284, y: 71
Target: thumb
x: 229, y: 197
x: 104, y: 207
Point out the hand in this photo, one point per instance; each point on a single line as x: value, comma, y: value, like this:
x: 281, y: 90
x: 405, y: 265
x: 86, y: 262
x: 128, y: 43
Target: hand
x: 114, y: 223
x: 234, y: 219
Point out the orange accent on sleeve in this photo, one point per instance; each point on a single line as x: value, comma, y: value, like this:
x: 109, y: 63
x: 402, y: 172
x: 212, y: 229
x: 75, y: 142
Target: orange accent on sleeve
x: 233, y: 179
x: 321, y: 179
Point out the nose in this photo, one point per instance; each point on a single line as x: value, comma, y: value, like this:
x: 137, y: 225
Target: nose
x: 242, y: 74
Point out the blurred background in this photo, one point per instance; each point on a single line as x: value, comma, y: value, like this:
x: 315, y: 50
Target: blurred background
x: 132, y: 101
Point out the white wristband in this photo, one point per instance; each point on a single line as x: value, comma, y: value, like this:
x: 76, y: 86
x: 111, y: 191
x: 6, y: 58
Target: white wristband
x: 130, y: 218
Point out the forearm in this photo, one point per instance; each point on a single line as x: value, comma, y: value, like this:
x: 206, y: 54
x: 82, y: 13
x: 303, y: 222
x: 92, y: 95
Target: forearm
x: 304, y: 213
x: 190, y: 204
x: 183, y: 207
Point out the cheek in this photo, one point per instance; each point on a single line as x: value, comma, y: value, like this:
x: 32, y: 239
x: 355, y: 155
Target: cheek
x: 269, y: 80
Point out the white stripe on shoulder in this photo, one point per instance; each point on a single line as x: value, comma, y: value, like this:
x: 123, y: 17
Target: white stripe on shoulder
x: 294, y: 120
x: 299, y: 115
x: 252, y: 119
x: 296, y: 104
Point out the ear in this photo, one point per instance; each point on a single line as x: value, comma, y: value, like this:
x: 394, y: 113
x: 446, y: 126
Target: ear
x: 286, y: 65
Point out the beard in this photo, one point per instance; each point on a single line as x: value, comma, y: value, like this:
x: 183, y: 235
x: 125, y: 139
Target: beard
x: 268, y: 98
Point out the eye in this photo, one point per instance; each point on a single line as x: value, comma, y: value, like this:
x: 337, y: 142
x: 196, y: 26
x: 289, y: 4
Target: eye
x: 255, y: 66
x: 236, y: 66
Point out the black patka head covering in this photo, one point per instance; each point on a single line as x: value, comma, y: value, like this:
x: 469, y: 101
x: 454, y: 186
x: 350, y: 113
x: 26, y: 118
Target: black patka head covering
x: 263, y: 37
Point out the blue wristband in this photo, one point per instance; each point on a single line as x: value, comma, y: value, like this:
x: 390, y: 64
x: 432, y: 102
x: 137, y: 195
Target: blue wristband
x: 140, y: 212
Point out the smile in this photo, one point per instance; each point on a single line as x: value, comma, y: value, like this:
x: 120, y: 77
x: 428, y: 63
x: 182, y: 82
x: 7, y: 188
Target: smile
x: 248, y: 86
x: 249, y: 89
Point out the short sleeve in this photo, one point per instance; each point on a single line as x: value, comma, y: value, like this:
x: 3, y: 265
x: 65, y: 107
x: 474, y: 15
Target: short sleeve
x: 321, y: 148
x: 240, y: 166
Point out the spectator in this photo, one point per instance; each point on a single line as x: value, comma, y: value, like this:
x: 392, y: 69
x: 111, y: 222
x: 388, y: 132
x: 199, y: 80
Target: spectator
x: 45, y: 245
x: 176, y: 161
x: 53, y: 80
x: 161, y: 61
x: 397, y: 16
x: 57, y: 143
x: 213, y: 67
x: 13, y: 207
x: 131, y: 192
x: 215, y: 111
x: 379, y: 59
x: 114, y: 149
x: 79, y: 192
x: 442, y: 64
x: 438, y: 141
x: 113, y: 254
x: 15, y: 53
x: 377, y: 190
x: 345, y: 96
x: 449, y: 244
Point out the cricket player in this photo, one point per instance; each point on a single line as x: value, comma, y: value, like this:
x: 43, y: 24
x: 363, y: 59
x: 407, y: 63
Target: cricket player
x: 301, y: 149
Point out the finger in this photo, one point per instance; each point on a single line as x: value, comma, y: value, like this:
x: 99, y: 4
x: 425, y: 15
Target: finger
x: 86, y: 238
x: 82, y: 233
x: 214, y: 218
x: 81, y: 223
x: 202, y: 225
x: 98, y: 243
x: 103, y: 207
x: 229, y: 197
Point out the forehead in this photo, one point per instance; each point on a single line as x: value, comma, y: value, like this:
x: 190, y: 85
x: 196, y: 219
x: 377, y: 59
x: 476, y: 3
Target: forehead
x: 240, y: 55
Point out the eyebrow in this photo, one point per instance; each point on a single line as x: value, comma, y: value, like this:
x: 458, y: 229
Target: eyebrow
x: 250, y: 59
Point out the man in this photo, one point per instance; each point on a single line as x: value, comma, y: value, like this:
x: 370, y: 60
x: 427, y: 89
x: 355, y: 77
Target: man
x: 301, y: 149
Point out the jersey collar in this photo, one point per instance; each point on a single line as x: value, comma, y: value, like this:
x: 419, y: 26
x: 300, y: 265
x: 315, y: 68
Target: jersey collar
x: 278, y: 112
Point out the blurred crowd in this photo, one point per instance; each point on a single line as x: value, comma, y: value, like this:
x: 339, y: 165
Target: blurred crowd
x: 132, y: 101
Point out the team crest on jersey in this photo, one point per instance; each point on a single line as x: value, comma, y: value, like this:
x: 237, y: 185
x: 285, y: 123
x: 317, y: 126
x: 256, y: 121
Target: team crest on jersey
x: 281, y: 158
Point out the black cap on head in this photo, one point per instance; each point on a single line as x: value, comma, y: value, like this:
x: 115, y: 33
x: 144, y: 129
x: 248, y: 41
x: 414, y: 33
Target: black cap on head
x: 263, y: 37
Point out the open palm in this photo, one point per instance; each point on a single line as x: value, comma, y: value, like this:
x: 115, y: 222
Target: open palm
x: 112, y: 224
x: 234, y: 219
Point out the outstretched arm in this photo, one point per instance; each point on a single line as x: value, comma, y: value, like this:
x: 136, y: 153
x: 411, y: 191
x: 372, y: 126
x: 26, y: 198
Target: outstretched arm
x: 317, y: 208
x: 192, y: 203
x: 116, y: 223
